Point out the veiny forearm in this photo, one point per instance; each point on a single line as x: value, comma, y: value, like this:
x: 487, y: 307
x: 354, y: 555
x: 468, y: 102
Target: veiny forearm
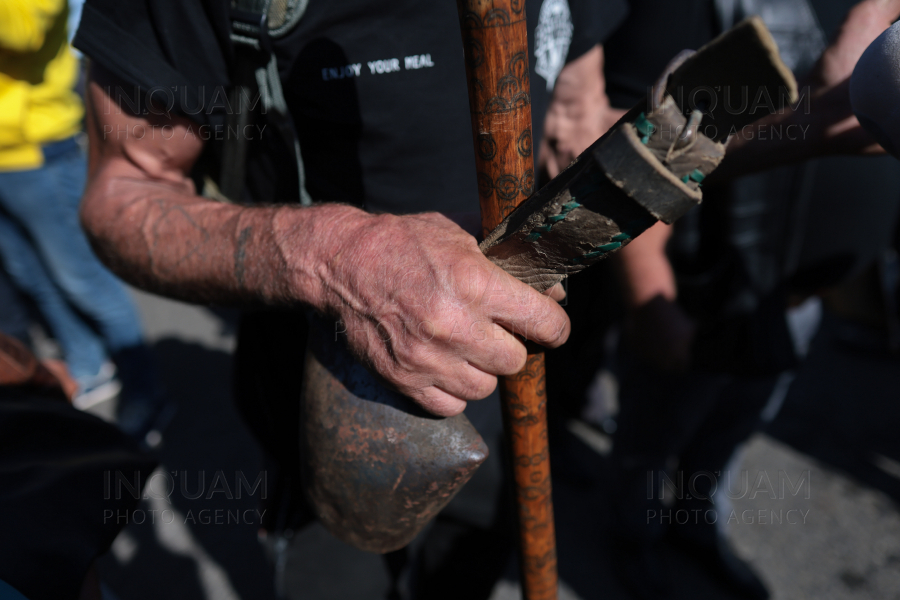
x: 163, y: 239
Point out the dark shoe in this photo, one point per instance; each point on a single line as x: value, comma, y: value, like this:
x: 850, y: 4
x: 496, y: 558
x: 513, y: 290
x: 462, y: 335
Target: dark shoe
x: 722, y: 564
x: 144, y: 408
x: 641, y: 569
x: 145, y: 418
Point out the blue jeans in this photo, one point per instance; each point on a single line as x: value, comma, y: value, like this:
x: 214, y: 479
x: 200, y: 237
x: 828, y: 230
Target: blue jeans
x: 48, y: 256
x: 14, y: 317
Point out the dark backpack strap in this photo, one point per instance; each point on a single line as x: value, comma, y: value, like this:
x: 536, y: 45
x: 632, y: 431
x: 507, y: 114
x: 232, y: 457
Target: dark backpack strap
x: 256, y: 69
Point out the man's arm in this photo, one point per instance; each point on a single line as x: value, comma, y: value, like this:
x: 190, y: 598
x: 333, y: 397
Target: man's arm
x: 419, y: 301
x: 825, y: 124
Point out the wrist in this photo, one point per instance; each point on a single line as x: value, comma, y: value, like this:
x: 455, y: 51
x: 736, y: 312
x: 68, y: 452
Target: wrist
x: 319, y: 246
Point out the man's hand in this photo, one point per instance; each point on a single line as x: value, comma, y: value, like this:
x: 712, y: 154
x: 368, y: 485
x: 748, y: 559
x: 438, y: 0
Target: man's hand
x: 579, y: 112
x: 421, y: 305
x: 863, y: 23
x: 827, y: 120
x: 419, y: 302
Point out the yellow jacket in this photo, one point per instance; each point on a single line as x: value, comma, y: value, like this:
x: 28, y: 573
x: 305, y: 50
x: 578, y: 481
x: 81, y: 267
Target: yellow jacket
x: 37, y: 75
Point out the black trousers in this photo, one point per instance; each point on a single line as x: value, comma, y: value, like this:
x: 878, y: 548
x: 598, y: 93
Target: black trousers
x: 57, y: 515
x: 682, y: 427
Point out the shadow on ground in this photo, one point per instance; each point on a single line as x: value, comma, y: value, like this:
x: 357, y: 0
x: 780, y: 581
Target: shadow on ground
x: 195, y: 532
x: 844, y: 408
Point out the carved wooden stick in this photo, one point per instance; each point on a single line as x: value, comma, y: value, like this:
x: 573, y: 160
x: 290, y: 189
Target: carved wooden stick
x: 495, y: 38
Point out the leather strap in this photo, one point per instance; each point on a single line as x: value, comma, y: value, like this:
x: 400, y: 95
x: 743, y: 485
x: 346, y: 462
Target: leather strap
x: 252, y: 27
x: 649, y: 167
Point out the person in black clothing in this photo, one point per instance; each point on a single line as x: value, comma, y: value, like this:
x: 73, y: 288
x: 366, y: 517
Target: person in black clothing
x: 55, y: 514
x: 377, y: 94
x: 706, y: 337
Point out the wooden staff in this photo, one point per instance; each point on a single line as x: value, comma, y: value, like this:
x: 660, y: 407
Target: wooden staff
x: 495, y: 38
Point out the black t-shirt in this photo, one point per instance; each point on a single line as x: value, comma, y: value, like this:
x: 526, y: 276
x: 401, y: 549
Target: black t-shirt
x: 654, y: 33
x: 377, y: 89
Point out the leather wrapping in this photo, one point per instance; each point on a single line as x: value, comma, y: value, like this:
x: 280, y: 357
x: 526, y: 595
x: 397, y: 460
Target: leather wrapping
x: 628, y: 180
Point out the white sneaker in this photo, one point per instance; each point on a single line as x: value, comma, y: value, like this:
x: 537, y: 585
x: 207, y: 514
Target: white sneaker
x: 101, y: 387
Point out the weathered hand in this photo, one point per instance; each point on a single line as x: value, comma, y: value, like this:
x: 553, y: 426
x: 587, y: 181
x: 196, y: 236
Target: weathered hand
x: 863, y: 23
x: 831, y: 75
x: 420, y: 304
x: 578, y: 114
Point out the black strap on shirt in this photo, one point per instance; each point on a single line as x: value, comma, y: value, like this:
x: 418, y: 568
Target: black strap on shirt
x: 257, y: 69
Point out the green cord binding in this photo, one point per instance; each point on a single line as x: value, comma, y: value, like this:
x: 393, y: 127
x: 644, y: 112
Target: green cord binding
x: 696, y: 176
x: 609, y: 247
x: 644, y: 127
x: 632, y: 229
x: 568, y: 207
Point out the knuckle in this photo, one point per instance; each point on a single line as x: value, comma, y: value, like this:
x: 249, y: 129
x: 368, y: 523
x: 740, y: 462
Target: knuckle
x: 479, y: 387
x: 471, y: 277
x: 512, y: 359
x: 552, y: 327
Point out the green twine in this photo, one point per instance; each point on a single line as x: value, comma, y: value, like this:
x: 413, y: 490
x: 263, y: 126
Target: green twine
x: 628, y: 232
x: 609, y: 247
x: 566, y: 208
x: 644, y: 127
x: 696, y: 176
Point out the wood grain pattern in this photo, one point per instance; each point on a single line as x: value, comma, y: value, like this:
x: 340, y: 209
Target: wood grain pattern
x: 495, y: 40
x: 525, y: 419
